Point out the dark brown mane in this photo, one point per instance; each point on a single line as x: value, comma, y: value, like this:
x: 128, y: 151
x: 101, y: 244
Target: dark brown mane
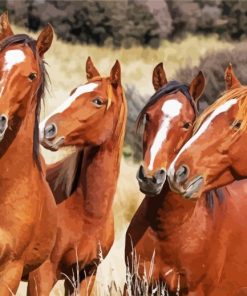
x: 25, y: 39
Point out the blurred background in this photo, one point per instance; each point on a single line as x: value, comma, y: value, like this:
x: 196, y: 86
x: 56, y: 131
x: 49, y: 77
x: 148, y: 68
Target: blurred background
x: 185, y: 35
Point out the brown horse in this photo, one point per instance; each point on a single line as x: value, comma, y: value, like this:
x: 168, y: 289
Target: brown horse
x: 28, y: 210
x: 92, y: 119
x: 222, y: 159
x: 188, y: 247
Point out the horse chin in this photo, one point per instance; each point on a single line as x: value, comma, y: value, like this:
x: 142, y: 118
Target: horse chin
x: 151, y: 191
x: 1, y: 137
x: 193, y: 188
x: 54, y: 145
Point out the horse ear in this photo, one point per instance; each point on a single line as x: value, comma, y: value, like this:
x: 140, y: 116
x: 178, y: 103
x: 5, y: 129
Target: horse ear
x: 5, y: 26
x: 115, y: 76
x: 90, y: 69
x: 231, y: 80
x: 197, y: 86
x: 44, y: 40
x: 159, y: 76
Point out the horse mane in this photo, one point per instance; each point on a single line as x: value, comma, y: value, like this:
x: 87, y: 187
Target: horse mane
x: 209, y: 195
x: 63, y: 176
x: 29, y: 41
x: 169, y: 88
x: 239, y: 93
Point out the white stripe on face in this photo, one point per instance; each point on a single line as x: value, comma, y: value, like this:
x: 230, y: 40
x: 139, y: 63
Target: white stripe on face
x: 170, y: 109
x: 78, y: 92
x: 11, y: 58
x: 221, y: 109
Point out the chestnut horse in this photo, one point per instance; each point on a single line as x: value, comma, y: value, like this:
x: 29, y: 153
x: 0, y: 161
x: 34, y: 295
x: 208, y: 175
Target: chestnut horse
x: 93, y: 120
x: 28, y: 210
x: 202, y: 165
x: 188, y: 247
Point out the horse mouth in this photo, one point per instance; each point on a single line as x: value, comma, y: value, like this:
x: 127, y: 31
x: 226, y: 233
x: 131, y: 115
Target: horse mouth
x: 53, y: 146
x: 149, y: 192
x: 193, y: 188
x: 2, y: 134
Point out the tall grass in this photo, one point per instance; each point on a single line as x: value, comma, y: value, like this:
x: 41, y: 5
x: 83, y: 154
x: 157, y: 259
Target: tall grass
x: 67, y: 70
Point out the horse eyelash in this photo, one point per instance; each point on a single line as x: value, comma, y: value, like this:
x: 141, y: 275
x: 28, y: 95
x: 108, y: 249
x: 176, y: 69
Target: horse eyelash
x: 236, y: 124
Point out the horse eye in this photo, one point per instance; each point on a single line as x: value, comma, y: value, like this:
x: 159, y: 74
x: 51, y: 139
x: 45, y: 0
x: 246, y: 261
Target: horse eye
x: 32, y: 76
x: 187, y: 125
x: 237, y: 124
x: 97, y: 102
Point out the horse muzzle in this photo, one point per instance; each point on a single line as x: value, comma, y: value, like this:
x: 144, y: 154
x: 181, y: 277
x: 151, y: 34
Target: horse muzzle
x: 151, y: 185
x: 48, y: 137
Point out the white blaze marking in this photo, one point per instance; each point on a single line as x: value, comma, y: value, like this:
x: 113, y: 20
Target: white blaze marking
x: 11, y: 58
x: 78, y: 92
x: 221, y: 109
x: 170, y: 109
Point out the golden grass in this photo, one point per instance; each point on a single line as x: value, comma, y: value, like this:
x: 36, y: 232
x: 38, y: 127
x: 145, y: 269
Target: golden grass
x: 67, y: 70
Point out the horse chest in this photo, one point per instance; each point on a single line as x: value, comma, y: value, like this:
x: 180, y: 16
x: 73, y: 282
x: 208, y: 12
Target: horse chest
x: 185, y: 248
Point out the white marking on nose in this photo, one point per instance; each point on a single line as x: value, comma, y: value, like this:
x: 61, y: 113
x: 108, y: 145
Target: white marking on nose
x: 170, y: 109
x: 78, y: 92
x: 221, y: 109
x: 11, y: 58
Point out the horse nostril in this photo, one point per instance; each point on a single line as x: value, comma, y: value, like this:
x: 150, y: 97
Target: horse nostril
x: 3, y: 119
x: 160, y: 176
x: 50, y: 131
x: 182, y: 173
x: 141, y: 174
x: 3, y: 123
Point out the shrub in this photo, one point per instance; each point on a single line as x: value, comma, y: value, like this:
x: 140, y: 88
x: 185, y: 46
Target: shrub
x: 115, y: 22
x: 135, y: 103
x: 213, y: 66
x: 185, y: 16
x: 235, y: 15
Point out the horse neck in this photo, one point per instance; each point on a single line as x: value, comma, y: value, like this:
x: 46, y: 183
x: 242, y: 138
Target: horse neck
x: 16, y: 153
x: 170, y: 211
x: 100, y: 170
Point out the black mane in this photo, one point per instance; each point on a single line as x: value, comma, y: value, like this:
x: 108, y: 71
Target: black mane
x: 25, y: 39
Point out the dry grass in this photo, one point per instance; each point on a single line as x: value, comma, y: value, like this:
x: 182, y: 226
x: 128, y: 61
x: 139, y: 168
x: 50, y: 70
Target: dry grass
x: 66, y: 69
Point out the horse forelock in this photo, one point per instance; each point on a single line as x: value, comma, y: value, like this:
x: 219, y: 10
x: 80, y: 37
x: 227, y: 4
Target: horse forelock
x: 240, y: 94
x: 29, y: 41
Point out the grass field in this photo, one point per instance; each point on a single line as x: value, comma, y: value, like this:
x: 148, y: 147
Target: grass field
x: 67, y: 70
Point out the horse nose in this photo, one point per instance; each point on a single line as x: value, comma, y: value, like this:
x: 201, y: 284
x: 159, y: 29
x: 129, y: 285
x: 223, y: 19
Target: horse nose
x: 3, y: 123
x: 182, y: 174
x: 141, y: 177
x: 151, y: 185
x: 50, y: 131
